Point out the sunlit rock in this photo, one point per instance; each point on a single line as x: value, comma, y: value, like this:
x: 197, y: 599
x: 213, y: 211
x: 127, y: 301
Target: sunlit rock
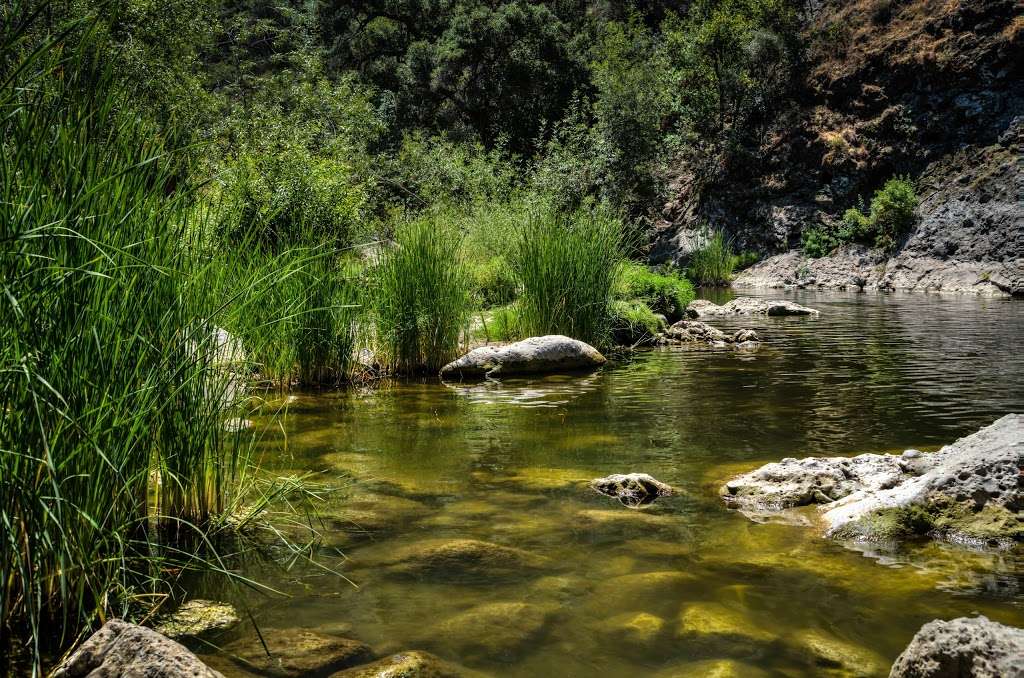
x: 640, y: 631
x: 711, y: 668
x: 967, y: 491
x: 550, y: 353
x: 702, y: 308
x: 197, y: 617
x: 123, y: 649
x: 975, y: 647
x: 632, y: 489
x: 297, y: 652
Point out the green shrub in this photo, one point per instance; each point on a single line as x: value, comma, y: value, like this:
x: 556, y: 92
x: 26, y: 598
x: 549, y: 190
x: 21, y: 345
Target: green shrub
x: 745, y: 259
x: 633, y: 322
x: 889, y: 218
x: 421, y: 297
x: 502, y: 324
x: 565, y: 266
x: 665, y: 293
x: 493, y: 281
x: 712, y: 262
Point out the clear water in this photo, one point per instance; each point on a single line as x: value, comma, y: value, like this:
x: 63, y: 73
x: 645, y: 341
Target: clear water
x: 503, y: 463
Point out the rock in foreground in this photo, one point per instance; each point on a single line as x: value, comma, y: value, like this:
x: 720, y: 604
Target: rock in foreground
x: 632, y: 489
x: 702, y: 308
x: 123, y: 649
x: 963, y: 648
x: 550, y: 353
x: 967, y: 491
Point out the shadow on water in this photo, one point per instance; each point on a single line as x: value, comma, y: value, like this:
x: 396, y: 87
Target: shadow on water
x: 681, y: 581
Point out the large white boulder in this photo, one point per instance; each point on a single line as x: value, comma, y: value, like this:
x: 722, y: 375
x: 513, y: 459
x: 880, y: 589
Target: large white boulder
x: 550, y: 353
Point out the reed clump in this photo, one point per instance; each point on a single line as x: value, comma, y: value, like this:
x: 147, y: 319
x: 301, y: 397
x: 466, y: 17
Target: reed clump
x: 712, y: 263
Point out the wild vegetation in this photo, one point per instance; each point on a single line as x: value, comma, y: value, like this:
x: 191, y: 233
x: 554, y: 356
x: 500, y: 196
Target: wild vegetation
x: 199, y: 196
x: 889, y: 217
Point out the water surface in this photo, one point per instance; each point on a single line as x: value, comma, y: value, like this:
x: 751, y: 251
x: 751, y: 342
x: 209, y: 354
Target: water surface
x: 505, y: 463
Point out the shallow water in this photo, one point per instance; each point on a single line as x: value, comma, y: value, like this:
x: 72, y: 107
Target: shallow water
x: 506, y: 463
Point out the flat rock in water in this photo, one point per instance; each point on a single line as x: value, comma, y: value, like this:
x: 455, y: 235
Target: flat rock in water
x: 714, y: 628
x: 550, y: 353
x: 697, y: 332
x: 967, y: 491
x: 298, y: 652
x: 834, y: 657
x: 632, y: 489
x: 974, y: 647
x: 702, y: 308
x: 409, y: 664
x: 123, y: 649
x: 197, y: 617
x: 463, y: 559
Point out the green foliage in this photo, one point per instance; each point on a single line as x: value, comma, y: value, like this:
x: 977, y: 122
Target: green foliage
x: 713, y: 262
x: 745, y: 259
x: 633, y: 322
x: 889, y: 218
x: 566, y: 266
x: 494, y: 281
x: 421, y: 299
x: 666, y: 293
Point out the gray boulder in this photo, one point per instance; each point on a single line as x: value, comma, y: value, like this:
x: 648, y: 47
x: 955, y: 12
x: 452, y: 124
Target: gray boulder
x: 123, y: 649
x: 963, y: 648
x: 632, y: 489
x: 550, y: 353
x: 702, y: 308
x: 967, y: 491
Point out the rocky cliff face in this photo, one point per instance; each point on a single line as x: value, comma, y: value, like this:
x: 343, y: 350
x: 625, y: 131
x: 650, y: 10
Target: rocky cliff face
x: 928, y: 88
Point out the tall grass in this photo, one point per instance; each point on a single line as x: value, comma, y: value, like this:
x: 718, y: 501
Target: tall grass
x: 421, y: 298
x: 566, y: 266
x: 111, y: 400
x: 712, y: 263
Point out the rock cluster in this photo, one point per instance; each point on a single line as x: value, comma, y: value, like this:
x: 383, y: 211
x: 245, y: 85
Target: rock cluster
x: 969, y: 490
x: 697, y: 332
x: 550, y: 353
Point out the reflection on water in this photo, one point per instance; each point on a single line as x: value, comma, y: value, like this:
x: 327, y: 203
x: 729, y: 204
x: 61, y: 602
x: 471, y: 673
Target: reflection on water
x: 677, y: 588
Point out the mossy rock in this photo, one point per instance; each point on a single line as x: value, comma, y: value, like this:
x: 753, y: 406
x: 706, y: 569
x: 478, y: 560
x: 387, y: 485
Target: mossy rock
x: 461, y: 559
x: 711, y: 668
x: 835, y: 658
x: 493, y: 632
x: 197, y: 618
x: 713, y: 628
x: 641, y: 632
x: 644, y: 591
x: 297, y: 652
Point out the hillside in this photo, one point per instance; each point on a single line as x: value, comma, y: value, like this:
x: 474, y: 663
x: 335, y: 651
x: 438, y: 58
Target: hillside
x: 929, y: 88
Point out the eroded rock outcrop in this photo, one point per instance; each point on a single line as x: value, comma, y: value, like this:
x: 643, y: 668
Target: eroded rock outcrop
x: 967, y: 647
x: 632, y: 489
x: 550, y: 353
x: 123, y: 649
x: 702, y: 308
x: 967, y: 491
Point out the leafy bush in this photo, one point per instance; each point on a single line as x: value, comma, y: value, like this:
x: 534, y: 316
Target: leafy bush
x: 494, y: 281
x: 889, y: 218
x: 745, y: 259
x: 712, y: 263
x: 634, y: 322
x: 565, y: 266
x: 421, y: 297
x: 666, y: 293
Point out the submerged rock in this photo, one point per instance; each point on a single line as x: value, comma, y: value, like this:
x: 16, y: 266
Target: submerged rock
x: 493, y: 631
x: 834, y: 657
x: 967, y: 491
x: 711, y: 668
x: 463, y: 559
x: 697, y: 332
x: 298, y: 652
x: 643, y: 591
x: 409, y: 664
x: 702, y: 308
x: 714, y: 628
x: 197, y: 617
x: 123, y: 649
x: 638, y: 631
x: 964, y: 647
x: 550, y: 353
x: 632, y: 489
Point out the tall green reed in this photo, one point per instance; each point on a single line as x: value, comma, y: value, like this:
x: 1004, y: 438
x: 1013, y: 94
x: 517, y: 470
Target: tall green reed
x: 421, y: 300
x: 111, y: 400
x: 566, y: 266
x: 713, y: 262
